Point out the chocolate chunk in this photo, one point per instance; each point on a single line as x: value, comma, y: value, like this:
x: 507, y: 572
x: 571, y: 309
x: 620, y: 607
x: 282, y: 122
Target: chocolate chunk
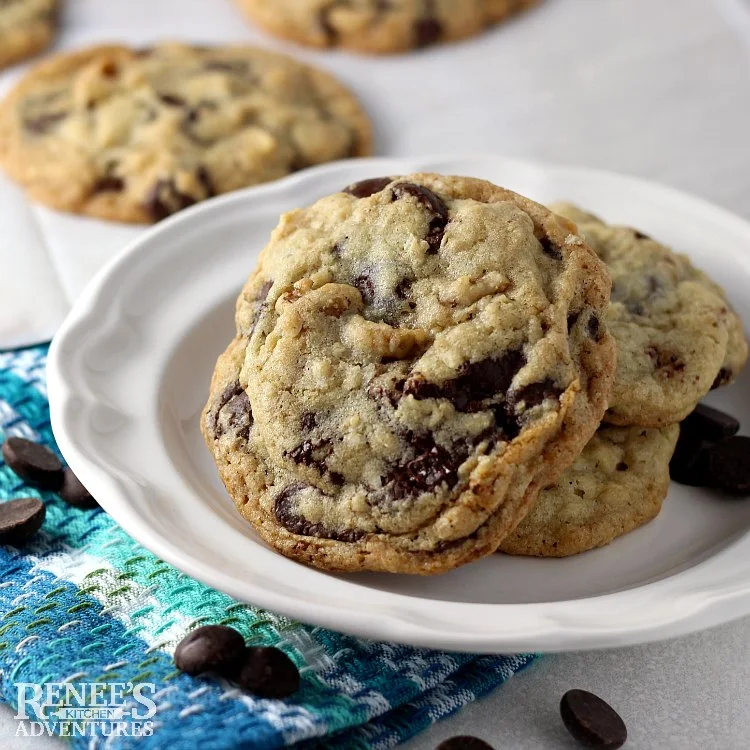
x: 688, y: 463
x: 109, y: 184
x: 594, y: 328
x: 728, y: 465
x: 432, y: 466
x: 20, y: 518
x: 239, y: 412
x: 434, y: 205
x: 366, y: 288
x: 464, y: 742
x: 366, y: 188
x: 707, y: 423
x: 309, y: 421
x: 204, y: 177
x: 403, y: 288
x: 165, y: 199
x: 507, y: 425
x: 285, y: 511
x: 268, y: 672
x: 74, y: 493
x: 211, y: 648
x: 475, y: 383
x: 34, y: 463
x: 550, y: 248
x: 535, y: 394
x: 725, y: 376
x: 592, y: 721
x: 427, y: 31
x: 42, y: 124
x: 667, y: 363
x: 171, y: 100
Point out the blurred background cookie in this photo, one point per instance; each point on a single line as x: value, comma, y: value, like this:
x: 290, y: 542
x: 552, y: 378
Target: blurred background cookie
x: 136, y: 135
x: 26, y: 27
x: 376, y: 26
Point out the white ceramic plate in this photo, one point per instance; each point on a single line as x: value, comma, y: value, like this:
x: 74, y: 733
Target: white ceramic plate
x: 128, y: 376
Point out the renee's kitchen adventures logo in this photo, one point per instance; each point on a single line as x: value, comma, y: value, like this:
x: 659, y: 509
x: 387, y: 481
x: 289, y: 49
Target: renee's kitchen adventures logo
x: 85, y: 709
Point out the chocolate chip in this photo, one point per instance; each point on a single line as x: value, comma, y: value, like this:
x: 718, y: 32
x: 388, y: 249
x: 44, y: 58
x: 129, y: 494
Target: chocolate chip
x: 235, y: 403
x: 33, y: 462
x: 464, y: 742
x: 20, y: 518
x: 285, y: 511
x: 42, y: 124
x: 165, y: 199
x: 434, y: 205
x: 725, y: 376
x: 728, y: 465
x: 592, y: 721
x: 171, y: 100
x: 304, y: 453
x: 364, y: 284
x: 622, y: 466
x: 308, y: 421
x: 550, y: 248
x: 476, y: 382
x: 366, y: 188
x: 640, y: 235
x: 707, y: 423
x: 403, y: 288
x: 432, y: 466
x: 204, y: 177
x: 74, y: 493
x: 594, y: 328
x: 269, y: 673
x: 427, y: 31
x: 688, y: 463
x: 573, y: 319
x: 109, y: 184
x: 535, y: 394
x: 211, y: 648
x: 667, y: 363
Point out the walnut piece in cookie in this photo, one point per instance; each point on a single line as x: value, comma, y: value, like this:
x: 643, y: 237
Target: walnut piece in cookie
x: 677, y: 334
x: 379, y: 26
x: 137, y: 135
x: 26, y: 27
x: 415, y: 357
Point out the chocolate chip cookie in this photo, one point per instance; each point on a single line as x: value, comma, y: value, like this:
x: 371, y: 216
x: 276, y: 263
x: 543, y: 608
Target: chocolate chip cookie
x: 415, y: 357
x: 677, y: 335
x: 378, y: 26
x: 26, y: 27
x: 617, y: 484
x: 136, y: 135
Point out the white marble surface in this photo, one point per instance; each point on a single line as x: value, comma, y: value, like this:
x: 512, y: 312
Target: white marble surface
x: 656, y: 88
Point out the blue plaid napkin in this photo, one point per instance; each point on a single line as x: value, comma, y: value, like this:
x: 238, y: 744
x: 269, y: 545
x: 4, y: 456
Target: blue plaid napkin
x: 89, y: 620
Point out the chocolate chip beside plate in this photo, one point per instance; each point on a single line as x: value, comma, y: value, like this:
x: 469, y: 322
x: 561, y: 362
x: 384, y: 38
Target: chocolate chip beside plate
x: 33, y: 462
x: 464, y: 742
x: 269, y: 673
x: 20, y: 518
x: 74, y: 493
x: 707, y: 423
x: 592, y: 721
x: 728, y: 465
x: 211, y: 648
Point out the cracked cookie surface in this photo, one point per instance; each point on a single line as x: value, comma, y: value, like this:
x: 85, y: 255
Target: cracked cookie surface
x: 136, y: 135
x: 26, y: 27
x: 415, y: 357
x: 378, y: 26
x: 677, y: 335
x: 617, y: 484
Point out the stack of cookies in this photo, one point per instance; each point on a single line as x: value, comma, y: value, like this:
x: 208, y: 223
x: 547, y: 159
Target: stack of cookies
x: 421, y: 369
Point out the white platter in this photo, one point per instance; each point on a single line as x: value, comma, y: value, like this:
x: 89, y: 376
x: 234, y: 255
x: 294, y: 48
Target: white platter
x: 128, y: 376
